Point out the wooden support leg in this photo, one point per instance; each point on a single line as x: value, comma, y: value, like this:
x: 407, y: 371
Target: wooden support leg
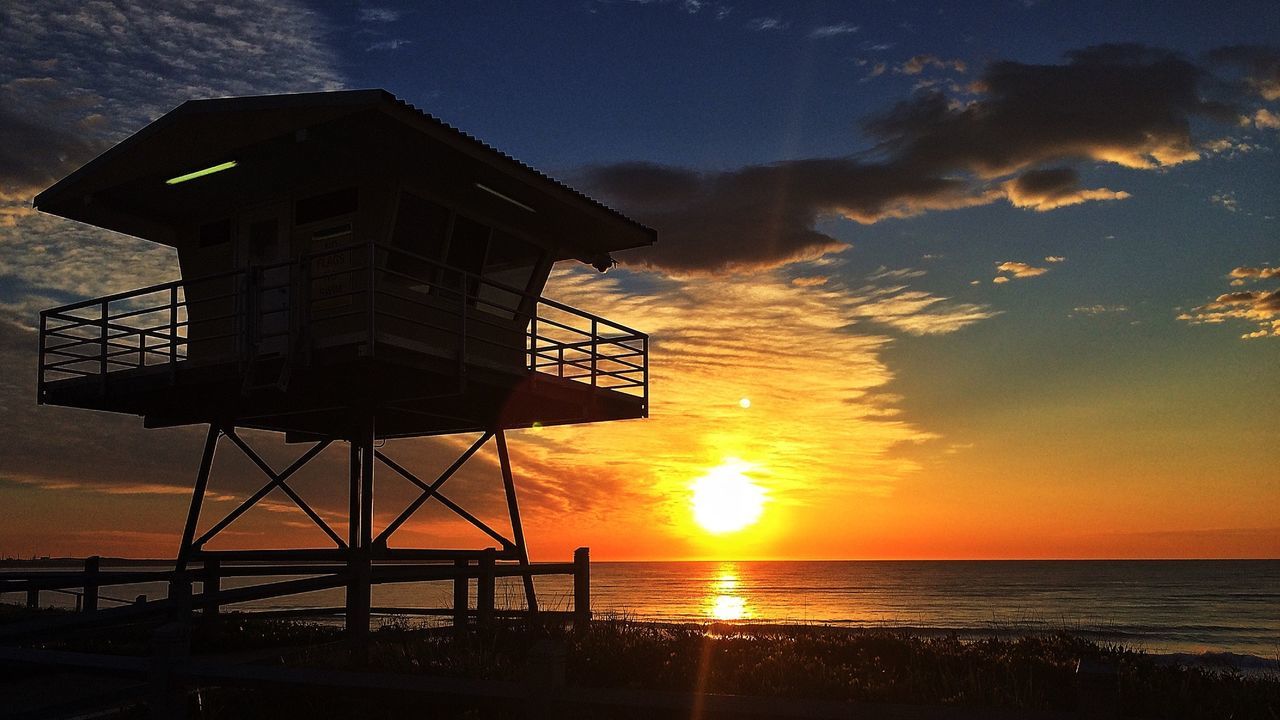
x: 197, y: 496
x: 359, y: 564
x: 517, y: 528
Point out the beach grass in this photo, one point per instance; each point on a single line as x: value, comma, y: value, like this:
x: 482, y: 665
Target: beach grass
x: 786, y: 663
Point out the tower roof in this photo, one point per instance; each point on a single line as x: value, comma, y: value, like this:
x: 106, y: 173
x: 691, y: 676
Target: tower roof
x: 124, y: 189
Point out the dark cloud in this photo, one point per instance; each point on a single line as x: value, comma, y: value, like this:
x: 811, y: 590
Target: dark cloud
x: 42, y: 139
x: 762, y: 215
x: 1122, y: 104
x: 1260, y: 63
x: 1128, y: 105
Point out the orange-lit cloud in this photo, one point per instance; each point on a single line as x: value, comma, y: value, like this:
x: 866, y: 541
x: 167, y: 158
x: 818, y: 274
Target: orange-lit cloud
x: 818, y: 427
x: 919, y: 63
x: 1012, y: 269
x: 1044, y: 190
x: 1259, y: 307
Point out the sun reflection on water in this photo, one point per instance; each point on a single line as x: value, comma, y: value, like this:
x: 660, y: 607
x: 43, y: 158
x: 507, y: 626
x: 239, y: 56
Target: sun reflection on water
x: 724, y: 600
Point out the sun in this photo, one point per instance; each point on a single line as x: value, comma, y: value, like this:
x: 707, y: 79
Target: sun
x: 725, y: 500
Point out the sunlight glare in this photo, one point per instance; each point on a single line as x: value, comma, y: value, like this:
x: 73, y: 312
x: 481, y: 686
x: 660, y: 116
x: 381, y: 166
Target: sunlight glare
x: 726, y: 500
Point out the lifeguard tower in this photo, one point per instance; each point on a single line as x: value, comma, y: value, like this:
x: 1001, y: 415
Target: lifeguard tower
x: 353, y: 270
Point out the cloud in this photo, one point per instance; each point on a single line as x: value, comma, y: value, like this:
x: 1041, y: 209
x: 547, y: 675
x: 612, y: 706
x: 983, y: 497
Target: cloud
x: 833, y: 335
x: 1264, y: 119
x: 919, y: 63
x: 765, y: 24
x: 1260, y: 63
x: 81, y: 76
x: 1126, y: 105
x: 1044, y: 190
x: 393, y: 44
x: 1227, y: 200
x: 1254, y: 273
x: 1017, y: 270
x: 1100, y: 309
x: 763, y: 215
x: 1260, y: 308
x: 827, y: 31
x: 1122, y: 104
x: 1054, y: 259
x: 378, y: 15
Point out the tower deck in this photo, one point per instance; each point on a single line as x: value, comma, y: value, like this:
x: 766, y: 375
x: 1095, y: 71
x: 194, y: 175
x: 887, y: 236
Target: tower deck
x: 297, y: 346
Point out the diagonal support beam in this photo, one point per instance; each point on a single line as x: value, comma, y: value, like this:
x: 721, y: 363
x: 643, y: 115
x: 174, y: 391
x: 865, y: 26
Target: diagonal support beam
x: 517, y: 528
x: 253, y: 499
x: 197, y: 495
x: 429, y: 491
x: 280, y: 483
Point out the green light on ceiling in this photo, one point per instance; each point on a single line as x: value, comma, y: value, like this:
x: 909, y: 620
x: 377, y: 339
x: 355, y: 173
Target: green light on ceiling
x: 201, y: 173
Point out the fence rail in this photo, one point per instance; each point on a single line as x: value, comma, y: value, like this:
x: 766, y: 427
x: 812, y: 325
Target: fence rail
x: 482, y: 567
x: 363, y: 293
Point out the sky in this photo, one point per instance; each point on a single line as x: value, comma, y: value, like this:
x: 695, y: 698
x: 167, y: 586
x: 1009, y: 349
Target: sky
x: 952, y: 280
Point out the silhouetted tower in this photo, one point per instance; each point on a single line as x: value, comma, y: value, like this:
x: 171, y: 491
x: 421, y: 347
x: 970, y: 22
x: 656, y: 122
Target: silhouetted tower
x: 353, y: 269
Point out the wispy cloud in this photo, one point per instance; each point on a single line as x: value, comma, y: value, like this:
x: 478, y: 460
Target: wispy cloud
x: 767, y: 24
x: 379, y: 15
x: 919, y: 63
x: 1100, y: 309
x: 393, y: 44
x: 85, y: 75
x: 1226, y: 200
x: 813, y: 336
x: 826, y: 31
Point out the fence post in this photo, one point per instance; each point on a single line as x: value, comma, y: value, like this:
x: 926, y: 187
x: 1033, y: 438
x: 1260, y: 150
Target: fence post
x: 212, y: 585
x: 485, y: 588
x: 460, y: 583
x: 91, y: 582
x: 170, y: 647
x: 582, y: 588
x: 180, y: 596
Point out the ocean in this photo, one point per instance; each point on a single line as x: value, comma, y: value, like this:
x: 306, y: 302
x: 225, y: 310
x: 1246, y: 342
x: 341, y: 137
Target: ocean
x: 1176, y: 606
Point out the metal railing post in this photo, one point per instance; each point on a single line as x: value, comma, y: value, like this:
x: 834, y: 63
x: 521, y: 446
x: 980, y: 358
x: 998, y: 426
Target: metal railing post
x: 173, y: 324
x: 44, y: 320
x: 595, y: 350
x: 644, y: 360
x: 103, y: 310
x: 533, y: 340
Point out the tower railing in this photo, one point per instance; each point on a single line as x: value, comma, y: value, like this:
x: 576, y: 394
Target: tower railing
x: 365, y: 293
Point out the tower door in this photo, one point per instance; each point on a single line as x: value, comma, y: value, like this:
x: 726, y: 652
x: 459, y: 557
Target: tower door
x: 264, y: 252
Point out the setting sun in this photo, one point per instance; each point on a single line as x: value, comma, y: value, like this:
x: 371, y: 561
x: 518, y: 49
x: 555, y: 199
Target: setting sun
x: 726, y: 500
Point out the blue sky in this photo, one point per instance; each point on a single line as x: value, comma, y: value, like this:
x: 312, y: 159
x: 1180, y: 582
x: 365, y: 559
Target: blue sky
x: 1039, y: 291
